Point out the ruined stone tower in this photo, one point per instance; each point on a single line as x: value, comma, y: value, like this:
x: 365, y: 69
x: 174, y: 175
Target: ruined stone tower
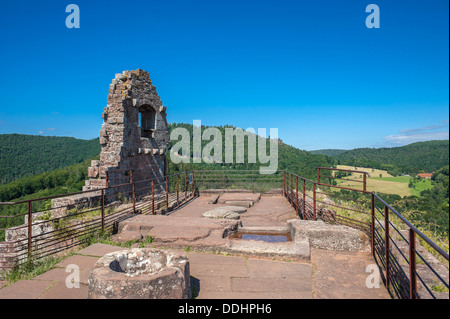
x: 134, y: 133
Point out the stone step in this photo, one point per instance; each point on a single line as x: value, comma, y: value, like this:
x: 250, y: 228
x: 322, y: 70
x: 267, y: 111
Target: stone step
x: 229, y: 198
x: 299, y: 249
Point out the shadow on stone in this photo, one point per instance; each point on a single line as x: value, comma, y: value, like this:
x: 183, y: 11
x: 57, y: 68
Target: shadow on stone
x: 195, y: 286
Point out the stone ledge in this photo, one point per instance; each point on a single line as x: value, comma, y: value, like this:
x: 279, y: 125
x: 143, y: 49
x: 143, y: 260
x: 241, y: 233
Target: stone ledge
x: 330, y: 237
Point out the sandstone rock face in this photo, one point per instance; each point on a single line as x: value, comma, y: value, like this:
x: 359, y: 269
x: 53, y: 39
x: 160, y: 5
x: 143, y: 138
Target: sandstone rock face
x: 141, y: 274
x: 220, y: 213
x: 225, y: 212
x: 134, y: 133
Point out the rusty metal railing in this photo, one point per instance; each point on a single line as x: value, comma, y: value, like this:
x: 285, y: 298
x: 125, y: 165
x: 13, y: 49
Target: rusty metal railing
x: 40, y: 229
x: 308, y: 199
x: 250, y: 180
x: 395, y: 247
x: 363, y: 182
x: 406, y: 272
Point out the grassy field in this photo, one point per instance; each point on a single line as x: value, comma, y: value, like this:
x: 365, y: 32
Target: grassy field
x: 382, y: 182
x: 419, y: 187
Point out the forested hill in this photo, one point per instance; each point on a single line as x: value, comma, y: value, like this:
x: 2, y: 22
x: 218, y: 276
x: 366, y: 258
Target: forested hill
x: 289, y: 158
x: 26, y: 155
x: 329, y: 152
x: 413, y: 158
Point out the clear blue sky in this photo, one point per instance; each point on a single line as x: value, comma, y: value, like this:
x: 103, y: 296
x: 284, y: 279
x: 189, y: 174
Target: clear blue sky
x: 312, y: 69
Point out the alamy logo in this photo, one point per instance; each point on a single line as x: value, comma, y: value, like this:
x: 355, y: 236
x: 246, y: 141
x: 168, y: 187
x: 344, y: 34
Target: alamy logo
x: 73, y: 19
x: 212, y: 151
x: 73, y: 279
x: 373, y: 280
x: 373, y: 19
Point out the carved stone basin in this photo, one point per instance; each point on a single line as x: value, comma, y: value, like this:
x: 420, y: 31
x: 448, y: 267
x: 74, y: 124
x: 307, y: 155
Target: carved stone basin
x: 137, y: 273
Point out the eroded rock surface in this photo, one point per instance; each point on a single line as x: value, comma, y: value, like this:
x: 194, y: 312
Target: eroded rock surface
x: 134, y: 133
x: 179, y: 232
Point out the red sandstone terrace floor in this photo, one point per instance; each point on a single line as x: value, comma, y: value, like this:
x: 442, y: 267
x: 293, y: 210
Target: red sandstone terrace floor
x: 328, y: 274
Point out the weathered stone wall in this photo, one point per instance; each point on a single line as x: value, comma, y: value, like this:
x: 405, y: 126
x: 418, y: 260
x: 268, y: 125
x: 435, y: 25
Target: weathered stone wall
x: 134, y: 134
x: 13, y: 251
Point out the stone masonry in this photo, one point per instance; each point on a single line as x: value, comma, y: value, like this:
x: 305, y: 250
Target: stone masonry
x: 134, y: 136
x: 134, y: 133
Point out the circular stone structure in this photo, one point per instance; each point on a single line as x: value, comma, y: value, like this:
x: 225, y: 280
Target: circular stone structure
x: 141, y: 273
